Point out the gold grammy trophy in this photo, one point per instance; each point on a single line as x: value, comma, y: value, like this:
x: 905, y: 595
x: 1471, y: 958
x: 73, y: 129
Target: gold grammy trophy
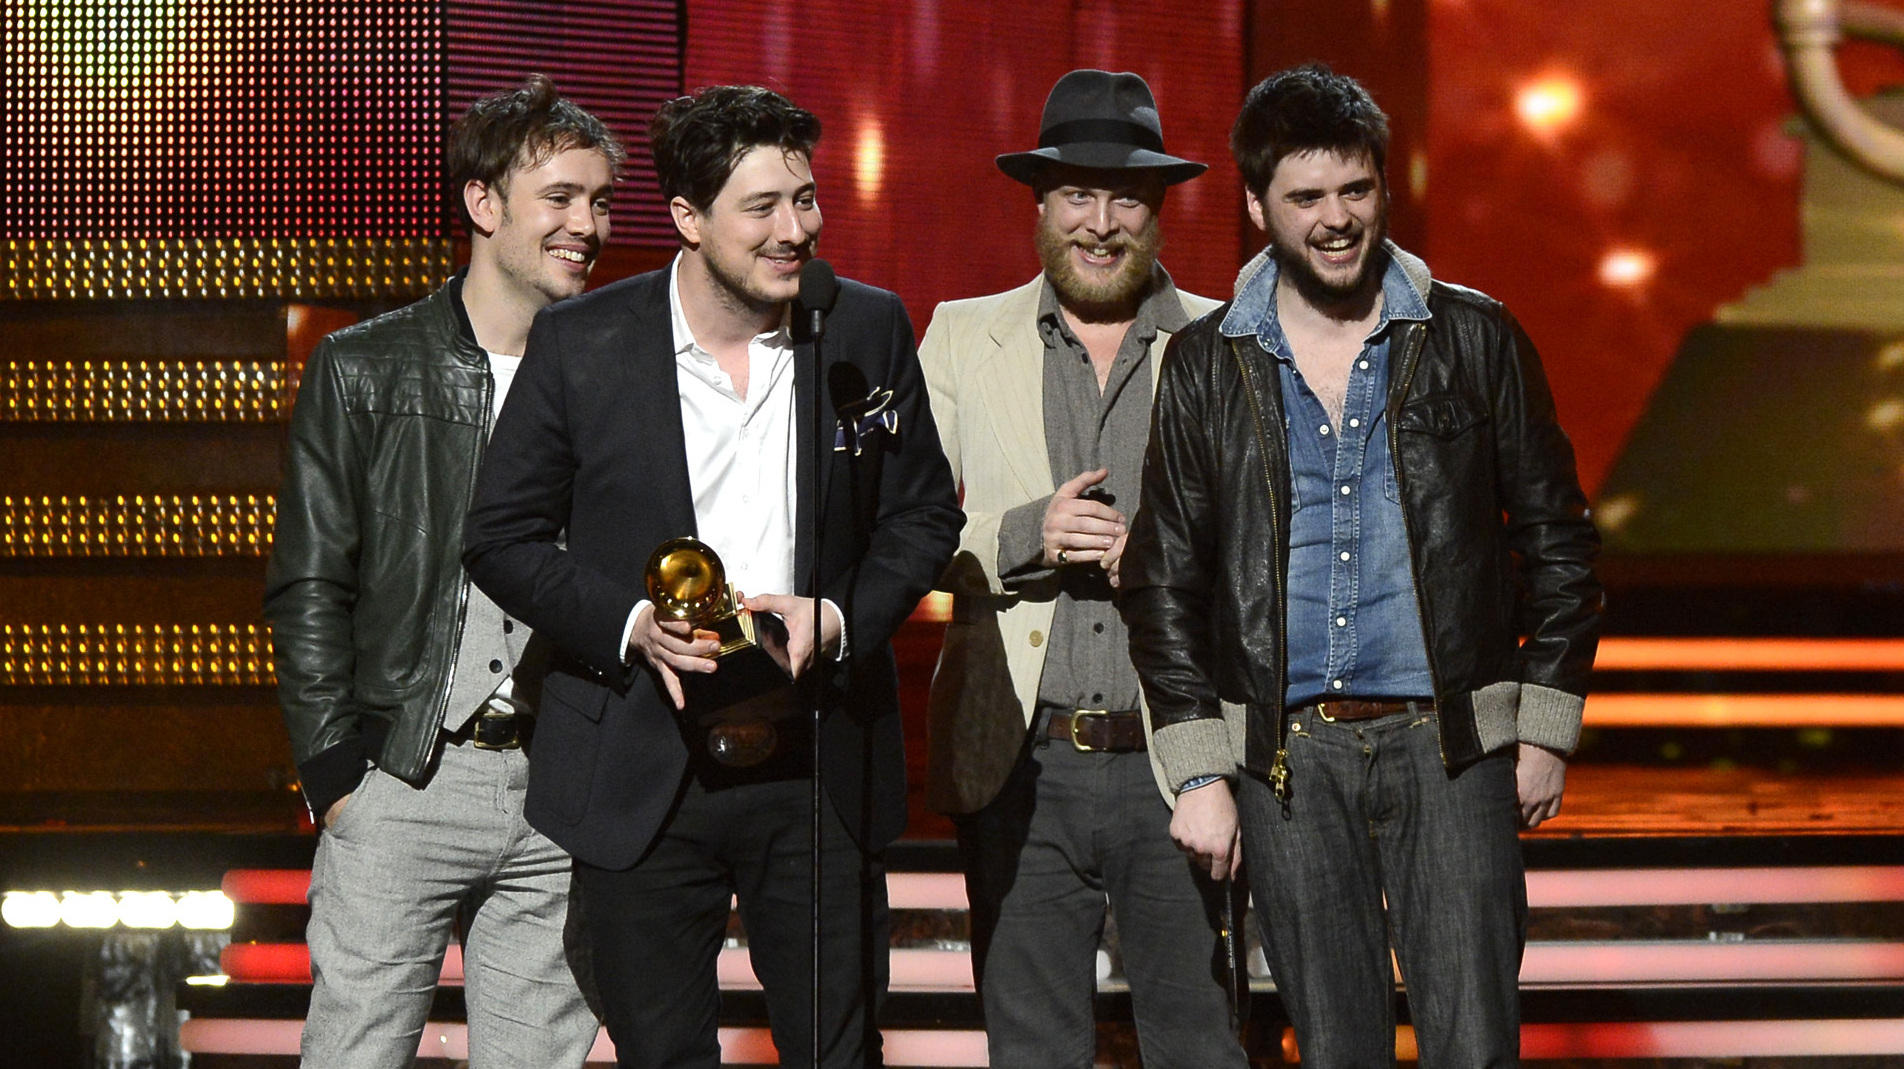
x: 687, y: 581
x: 743, y: 709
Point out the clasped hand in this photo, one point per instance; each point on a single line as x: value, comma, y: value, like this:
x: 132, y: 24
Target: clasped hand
x: 674, y: 647
x: 1079, y: 529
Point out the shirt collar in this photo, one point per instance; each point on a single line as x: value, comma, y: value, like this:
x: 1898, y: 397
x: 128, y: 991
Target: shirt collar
x: 1254, y: 310
x: 1160, y: 310
x: 779, y: 338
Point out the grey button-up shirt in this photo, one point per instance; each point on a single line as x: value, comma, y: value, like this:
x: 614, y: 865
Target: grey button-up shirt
x: 1087, y: 664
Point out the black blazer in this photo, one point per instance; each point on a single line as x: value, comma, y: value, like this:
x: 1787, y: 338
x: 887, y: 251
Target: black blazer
x: 586, y: 473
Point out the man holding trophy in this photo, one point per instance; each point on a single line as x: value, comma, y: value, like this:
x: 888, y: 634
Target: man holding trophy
x: 652, y: 484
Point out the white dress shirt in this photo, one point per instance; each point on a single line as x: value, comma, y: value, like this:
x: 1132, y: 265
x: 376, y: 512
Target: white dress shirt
x: 740, y: 454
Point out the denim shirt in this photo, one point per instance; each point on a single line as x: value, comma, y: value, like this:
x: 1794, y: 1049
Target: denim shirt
x: 1354, y: 624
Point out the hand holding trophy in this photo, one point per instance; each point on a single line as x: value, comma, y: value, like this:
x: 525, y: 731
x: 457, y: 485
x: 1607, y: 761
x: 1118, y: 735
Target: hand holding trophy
x: 701, y: 625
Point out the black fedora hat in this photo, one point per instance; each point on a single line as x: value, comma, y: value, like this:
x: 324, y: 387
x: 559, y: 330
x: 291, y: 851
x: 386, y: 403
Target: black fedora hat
x: 1102, y: 120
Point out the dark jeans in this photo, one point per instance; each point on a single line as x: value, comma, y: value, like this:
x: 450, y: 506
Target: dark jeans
x: 1068, y: 829
x: 656, y: 930
x: 1373, y: 814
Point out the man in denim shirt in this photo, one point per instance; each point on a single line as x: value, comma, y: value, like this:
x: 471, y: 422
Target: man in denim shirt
x: 1356, y: 497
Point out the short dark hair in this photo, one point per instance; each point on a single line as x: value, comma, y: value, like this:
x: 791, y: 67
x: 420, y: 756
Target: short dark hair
x: 520, y: 128
x: 1306, y: 109
x: 699, y: 139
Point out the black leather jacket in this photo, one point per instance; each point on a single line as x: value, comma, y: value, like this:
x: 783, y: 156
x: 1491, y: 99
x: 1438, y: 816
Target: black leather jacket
x: 1499, y: 537
x: 365, y: 590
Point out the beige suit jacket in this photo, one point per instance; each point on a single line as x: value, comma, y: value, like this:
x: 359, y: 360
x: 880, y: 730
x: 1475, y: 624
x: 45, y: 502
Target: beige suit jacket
x: 984, y: 366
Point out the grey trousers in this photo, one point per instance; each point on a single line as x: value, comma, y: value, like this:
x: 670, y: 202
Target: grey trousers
x: 1069, y: 831
x: 390, y: 878
x: 1374, y: 820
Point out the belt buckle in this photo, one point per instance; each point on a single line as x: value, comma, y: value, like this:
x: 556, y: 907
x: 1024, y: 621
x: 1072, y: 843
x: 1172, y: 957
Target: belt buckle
x: 503, y: 721
x: 1322, y: 713
x: 1077, y: 717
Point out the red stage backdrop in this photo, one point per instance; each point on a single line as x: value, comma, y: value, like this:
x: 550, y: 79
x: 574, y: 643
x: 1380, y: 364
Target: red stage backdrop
x: 1615, y: 172
x: 916, y: 99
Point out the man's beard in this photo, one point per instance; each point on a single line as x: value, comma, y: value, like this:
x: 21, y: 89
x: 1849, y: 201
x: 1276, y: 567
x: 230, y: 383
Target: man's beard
x: 1106, y: 300
x: 1293, y: 265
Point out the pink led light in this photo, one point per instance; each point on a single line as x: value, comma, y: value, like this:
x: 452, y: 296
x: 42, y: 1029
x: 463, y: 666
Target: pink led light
x: 1696, y: 887
x: 925, y: 1048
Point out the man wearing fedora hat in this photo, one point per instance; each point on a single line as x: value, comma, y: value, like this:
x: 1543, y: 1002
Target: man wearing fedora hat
x: 1042, y: 395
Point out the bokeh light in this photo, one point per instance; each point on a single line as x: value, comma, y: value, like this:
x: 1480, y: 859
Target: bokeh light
x: 1550, y: 104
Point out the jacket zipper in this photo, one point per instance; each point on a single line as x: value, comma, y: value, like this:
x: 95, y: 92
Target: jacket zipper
x: 1410, y: 359
x: 462, y: 588
x: 1279, y: 768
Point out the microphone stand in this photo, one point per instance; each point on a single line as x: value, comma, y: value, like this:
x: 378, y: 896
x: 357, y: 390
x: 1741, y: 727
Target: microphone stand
x: 814, y: 692
x: 818, y: 290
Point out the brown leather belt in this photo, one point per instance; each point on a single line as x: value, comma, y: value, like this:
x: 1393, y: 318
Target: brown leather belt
x: 1336, y: 709
x: 1096, y: 730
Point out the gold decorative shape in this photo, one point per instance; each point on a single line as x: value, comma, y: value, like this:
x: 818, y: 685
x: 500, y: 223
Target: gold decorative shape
x: 687, y: 581
x: 120, y: 655
x: 137, y: 525
x: 40, y: 269
x: 145, y: 391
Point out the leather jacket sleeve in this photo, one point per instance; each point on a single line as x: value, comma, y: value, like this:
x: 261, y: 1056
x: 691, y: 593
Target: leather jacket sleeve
x: 311, y: 587
x: 1549, y: 531
x: 1170, y: 559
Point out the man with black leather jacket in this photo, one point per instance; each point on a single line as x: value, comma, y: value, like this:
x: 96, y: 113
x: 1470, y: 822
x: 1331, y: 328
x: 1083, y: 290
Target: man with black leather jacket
x: 1361, y: 599
x: 407, y: 694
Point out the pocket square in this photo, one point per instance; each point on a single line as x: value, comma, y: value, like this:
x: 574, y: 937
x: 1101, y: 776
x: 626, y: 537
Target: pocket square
x: 862, y: 417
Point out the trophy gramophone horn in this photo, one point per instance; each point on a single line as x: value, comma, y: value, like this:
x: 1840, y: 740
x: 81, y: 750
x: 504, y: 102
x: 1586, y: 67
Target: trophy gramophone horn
x: 687, y: 581
x: 1808, y: 31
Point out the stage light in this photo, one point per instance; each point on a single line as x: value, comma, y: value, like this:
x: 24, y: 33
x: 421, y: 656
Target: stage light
x: 151, y: 910
x: 1885, y: 415
x: 869, y: 160
x: 88, y: 909
x: 147, y: 909
x: 1623, y: 268
x: 206, y: 911
x: 30, y: 909
x: 1550, y: 104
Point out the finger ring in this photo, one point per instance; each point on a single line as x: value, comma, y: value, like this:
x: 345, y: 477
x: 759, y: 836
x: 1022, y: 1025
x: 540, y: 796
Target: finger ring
x: 1063, y: 557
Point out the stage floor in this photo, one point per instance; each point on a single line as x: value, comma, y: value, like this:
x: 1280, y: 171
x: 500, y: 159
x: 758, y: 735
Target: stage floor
x: 1605, y: 801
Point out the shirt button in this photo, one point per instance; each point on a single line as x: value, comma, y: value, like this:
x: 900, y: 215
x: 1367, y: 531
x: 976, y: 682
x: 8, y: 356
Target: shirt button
x: 1037, y: 638
x: 495, y: 666
x: 1341, y: 621
x: 1335, y: 684
x: 1345, y: 491
x: 1097, y: 699
x: 1355, y: 423
x: 1099, y: 628
x: 1363, y: 365
x: 508, y: 627
x: 1345, y: 554
x: 1323, y: 430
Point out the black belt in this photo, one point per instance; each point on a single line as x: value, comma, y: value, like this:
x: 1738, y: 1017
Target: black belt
x: 496, y: 726
x: 1335, y: 709
x: 1097, y: 730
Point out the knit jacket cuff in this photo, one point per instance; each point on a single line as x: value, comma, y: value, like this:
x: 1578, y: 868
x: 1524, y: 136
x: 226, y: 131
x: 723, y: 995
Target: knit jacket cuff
x: 1550, y: 718
x: 1194, y: 748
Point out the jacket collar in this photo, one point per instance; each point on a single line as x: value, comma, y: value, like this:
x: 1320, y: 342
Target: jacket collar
x: 1256, y: 281
x: 455, y: 318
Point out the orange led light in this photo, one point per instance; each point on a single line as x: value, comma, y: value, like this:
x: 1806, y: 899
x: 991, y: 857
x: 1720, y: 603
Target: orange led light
x: 1751, y: 655
x: 1744, y: 710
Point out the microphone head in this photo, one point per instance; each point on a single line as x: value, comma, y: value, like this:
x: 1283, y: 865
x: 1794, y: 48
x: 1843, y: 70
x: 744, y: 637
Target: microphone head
x: 819, y: 286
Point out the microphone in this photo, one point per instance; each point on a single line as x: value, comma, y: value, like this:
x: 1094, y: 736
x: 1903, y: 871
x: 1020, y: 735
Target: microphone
x: 819, y: 288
